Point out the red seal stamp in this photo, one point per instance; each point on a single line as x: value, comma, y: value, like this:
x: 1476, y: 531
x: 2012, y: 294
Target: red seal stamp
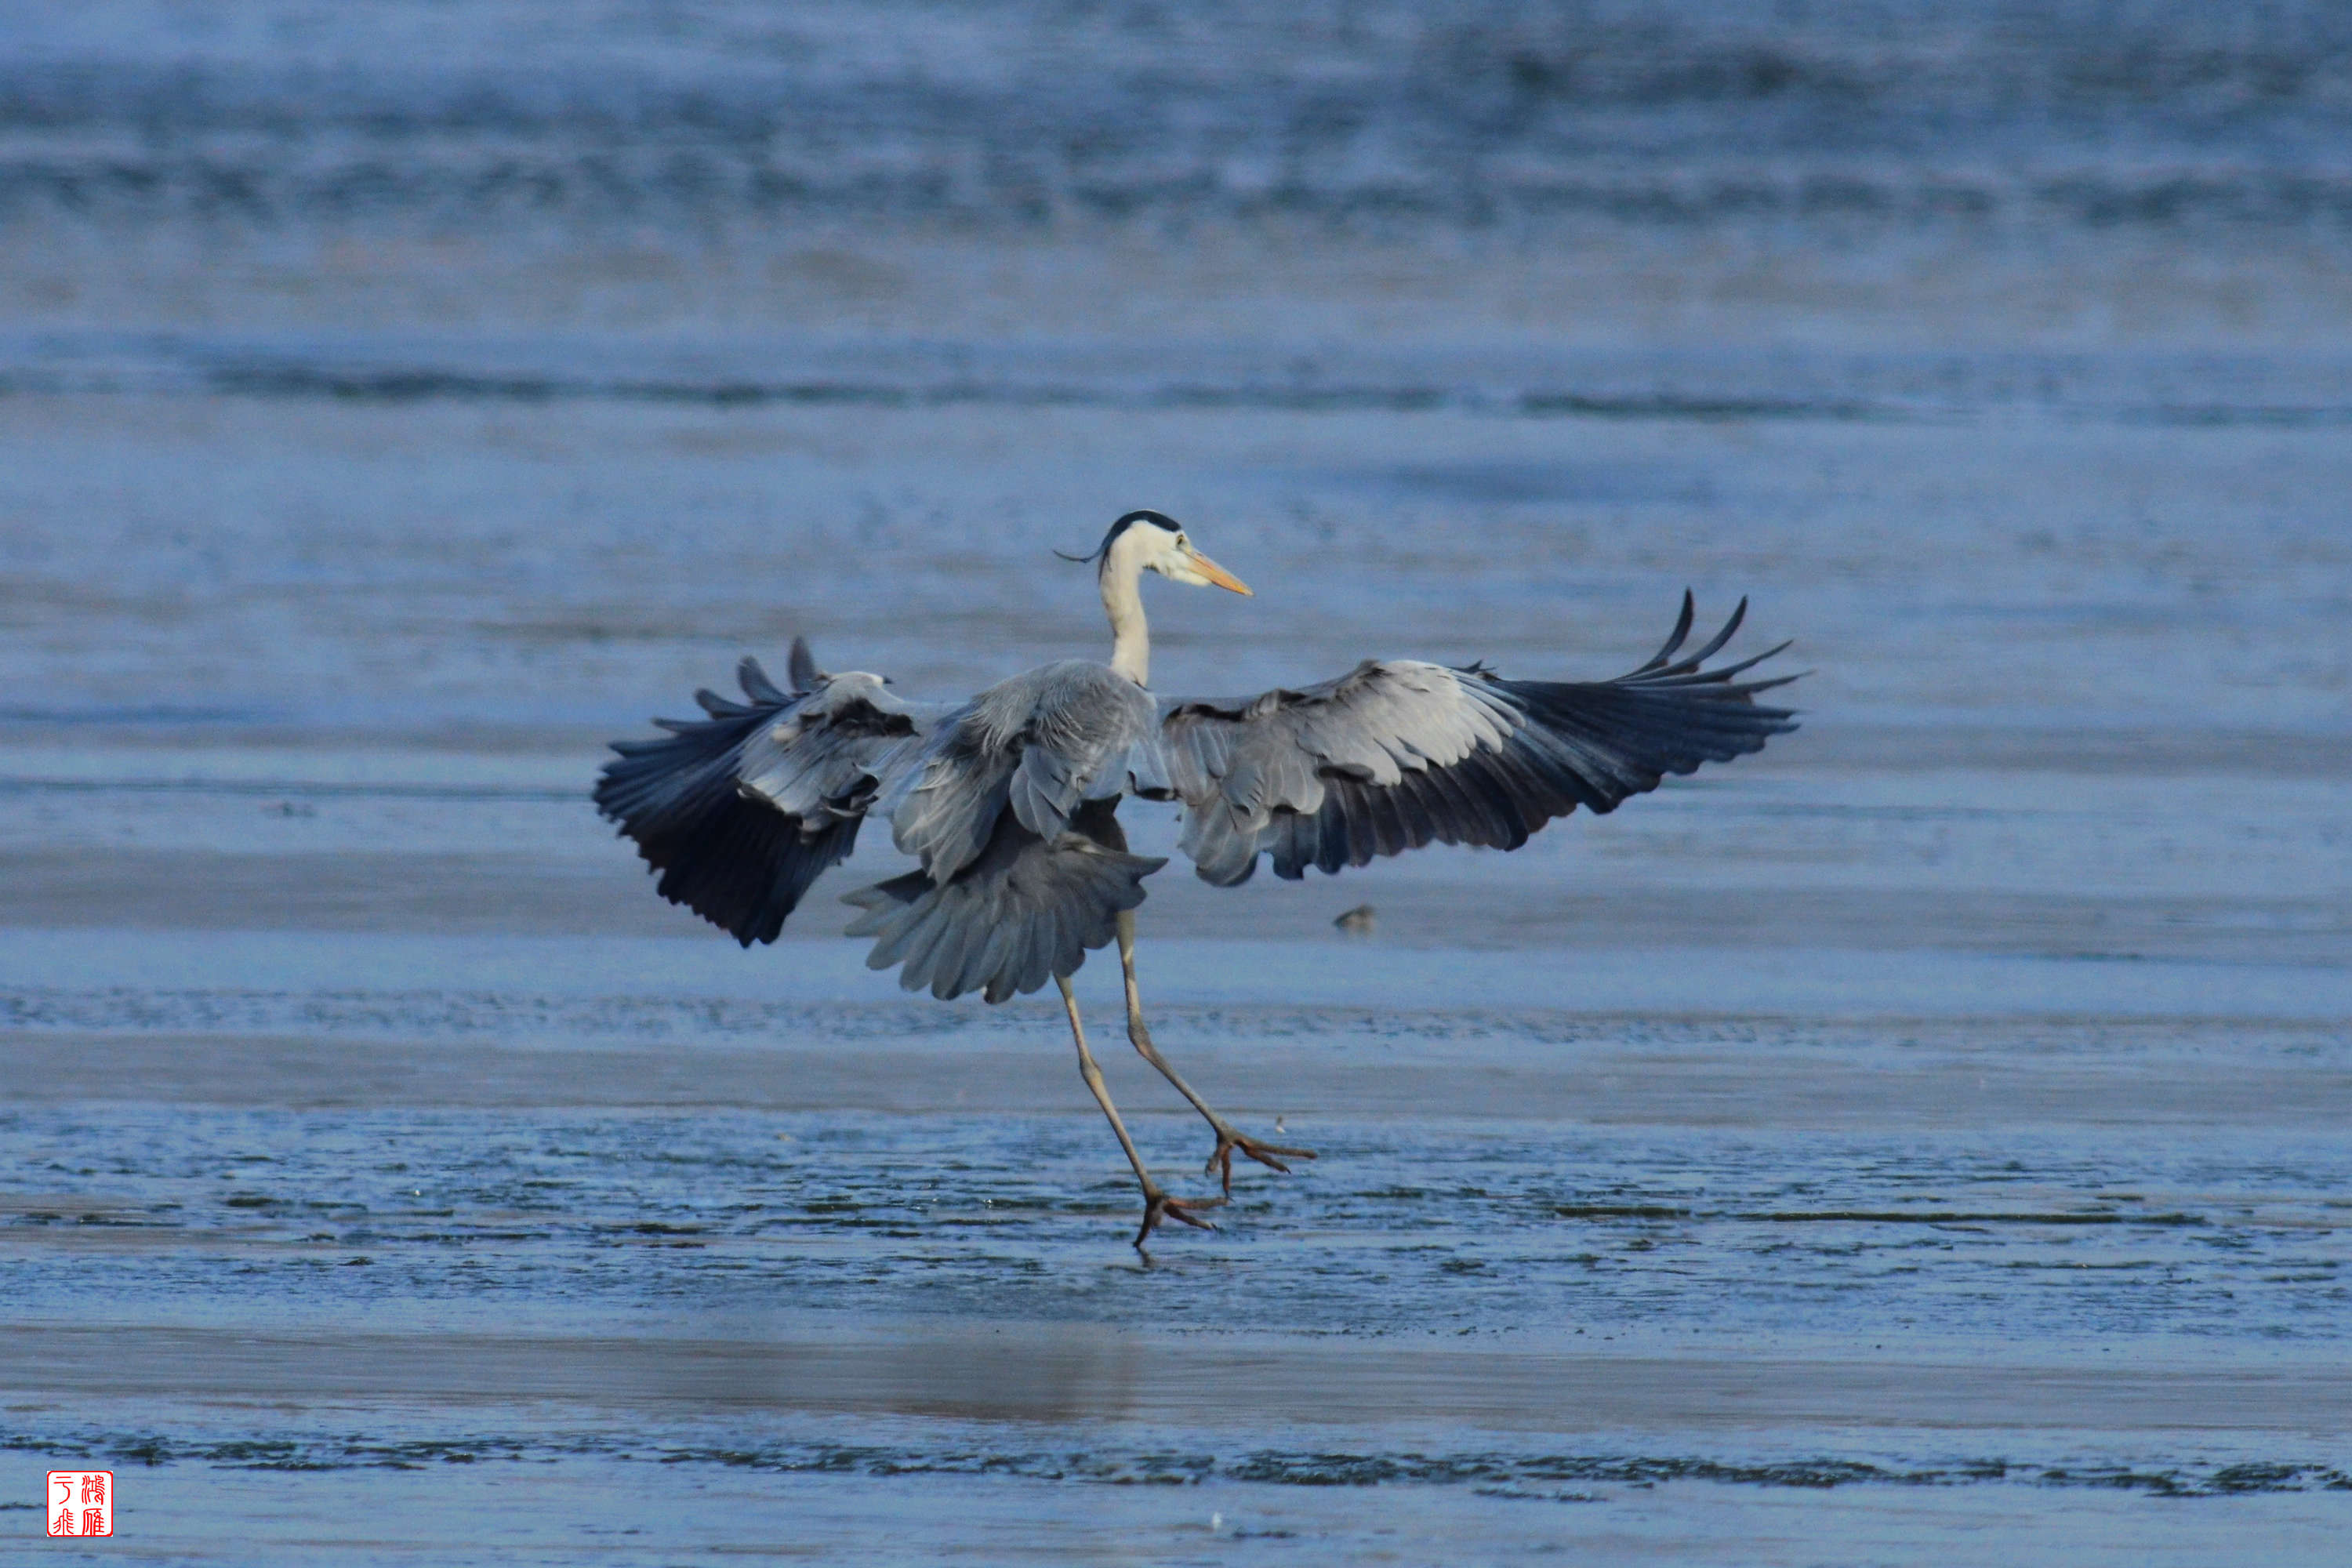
x: 80, y: 1502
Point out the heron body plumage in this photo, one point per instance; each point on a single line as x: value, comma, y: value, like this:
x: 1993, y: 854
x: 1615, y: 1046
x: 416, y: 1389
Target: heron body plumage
x: 1019, y: 879
x: 1007, y: 802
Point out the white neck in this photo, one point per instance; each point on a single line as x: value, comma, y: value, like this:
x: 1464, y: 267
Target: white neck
x: 1130, y: 638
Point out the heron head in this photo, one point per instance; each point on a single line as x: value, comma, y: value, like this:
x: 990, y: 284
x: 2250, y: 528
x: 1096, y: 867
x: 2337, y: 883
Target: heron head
x: 1154, y: 541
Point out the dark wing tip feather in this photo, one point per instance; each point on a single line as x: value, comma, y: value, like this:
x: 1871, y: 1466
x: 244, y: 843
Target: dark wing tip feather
x: 739, y: 863
x: 1749, y: 687
x: 756, y: 685
x: 1725, y: 672
x: 1675, y: 638
x: 806, y: 675
x: 1738, y: 616
x: 1661, y: 669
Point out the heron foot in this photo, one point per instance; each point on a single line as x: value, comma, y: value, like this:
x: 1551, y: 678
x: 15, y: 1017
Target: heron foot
x: 1158, y: 1205
x: 1230, y: 1143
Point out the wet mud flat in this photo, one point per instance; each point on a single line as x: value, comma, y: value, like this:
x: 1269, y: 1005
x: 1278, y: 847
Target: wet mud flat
x: 1670, y: 1327
x: 413, y: 1247
x: 1921, y: 1142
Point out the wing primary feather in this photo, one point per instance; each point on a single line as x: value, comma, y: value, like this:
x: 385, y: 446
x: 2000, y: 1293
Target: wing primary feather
x: 1330, y: 836
x: 1675, y: 638
x: 806, y: 675
x: 1724, y: 673
x: 757, y: 686
x: 1690, y: 662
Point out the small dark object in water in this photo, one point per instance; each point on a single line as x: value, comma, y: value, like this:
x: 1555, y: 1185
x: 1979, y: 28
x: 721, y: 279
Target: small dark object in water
x: 1357, y: 921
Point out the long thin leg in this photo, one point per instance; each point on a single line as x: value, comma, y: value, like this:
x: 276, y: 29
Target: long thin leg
x: 1157, y: 1205
x: 1229, y: 1142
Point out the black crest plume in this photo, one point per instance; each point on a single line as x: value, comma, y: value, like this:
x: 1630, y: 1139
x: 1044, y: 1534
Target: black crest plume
x: 1102, y: 550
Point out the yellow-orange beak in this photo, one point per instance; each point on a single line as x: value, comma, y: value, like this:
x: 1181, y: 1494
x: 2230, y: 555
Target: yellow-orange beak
x: 1216, y: 573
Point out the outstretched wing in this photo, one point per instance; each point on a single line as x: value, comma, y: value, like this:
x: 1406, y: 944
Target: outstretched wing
x: 1399, y: 754
x: 742, y: 811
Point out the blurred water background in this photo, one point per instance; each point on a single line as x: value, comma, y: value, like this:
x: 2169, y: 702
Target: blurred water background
x: 1922, y: 1142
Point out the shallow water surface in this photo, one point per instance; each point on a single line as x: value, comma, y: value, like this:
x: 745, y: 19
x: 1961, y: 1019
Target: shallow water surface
x: 1923, y: 1137
x: 1921, y: 1143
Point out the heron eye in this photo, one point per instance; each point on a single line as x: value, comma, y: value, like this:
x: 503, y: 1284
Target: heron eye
x: 1182, y: 543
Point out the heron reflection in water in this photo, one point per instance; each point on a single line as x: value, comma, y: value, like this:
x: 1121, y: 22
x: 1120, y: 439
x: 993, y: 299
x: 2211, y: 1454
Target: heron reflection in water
x: 1009, y: 800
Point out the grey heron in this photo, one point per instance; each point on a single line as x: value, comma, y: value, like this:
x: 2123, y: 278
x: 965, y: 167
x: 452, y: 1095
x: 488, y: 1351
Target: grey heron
x: 1008, y: 801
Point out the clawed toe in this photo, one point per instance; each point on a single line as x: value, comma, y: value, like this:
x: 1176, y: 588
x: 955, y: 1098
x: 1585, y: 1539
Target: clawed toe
x: 1230, y: 1142
x: 1159, y: 1206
